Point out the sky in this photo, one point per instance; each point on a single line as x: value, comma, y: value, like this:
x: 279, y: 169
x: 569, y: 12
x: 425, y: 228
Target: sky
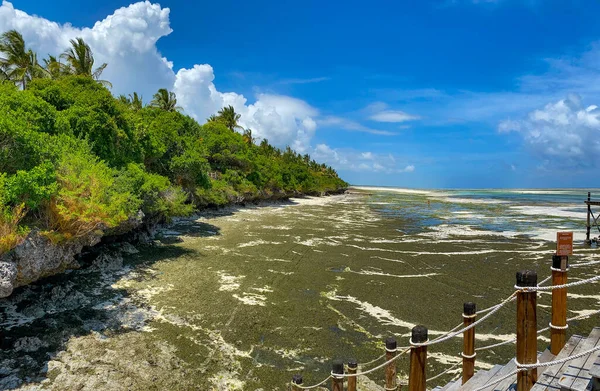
x: 420, y: 94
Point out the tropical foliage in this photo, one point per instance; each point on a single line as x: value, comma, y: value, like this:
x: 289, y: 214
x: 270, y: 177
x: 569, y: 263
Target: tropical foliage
x: 229, y: 118
x: 165, y: 100
x: 75, y: 160
x: 80, y: 61
x: 16, y: 62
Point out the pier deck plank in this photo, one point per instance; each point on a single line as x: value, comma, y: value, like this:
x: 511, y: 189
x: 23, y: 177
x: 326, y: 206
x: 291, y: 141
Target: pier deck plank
x: 548, y: 380
x: 577, y: 375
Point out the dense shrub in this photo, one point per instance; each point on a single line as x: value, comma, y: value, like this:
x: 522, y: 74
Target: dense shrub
x: 74, y: 160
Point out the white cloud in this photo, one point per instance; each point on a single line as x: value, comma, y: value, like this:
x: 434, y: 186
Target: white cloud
x: 353, y: 126
x: 393, y: 116
x: 563, y: 133
x: 126, y: 40
x: 352, y: 160
x: 304, y: 81
x: 367, y: 155
x: 380, y: 112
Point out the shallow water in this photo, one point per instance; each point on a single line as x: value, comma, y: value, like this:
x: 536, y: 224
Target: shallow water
x: 252, y: 296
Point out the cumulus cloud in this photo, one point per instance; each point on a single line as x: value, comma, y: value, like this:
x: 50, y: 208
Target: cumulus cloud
x: 564, y: 132
x: 126, y: 40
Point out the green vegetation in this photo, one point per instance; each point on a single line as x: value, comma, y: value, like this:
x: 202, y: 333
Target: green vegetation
x: 74, y: 160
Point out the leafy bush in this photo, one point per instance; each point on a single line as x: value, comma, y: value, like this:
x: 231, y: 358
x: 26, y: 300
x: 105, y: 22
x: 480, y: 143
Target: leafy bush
x: 158, y: 197
x: 74, y: 160
x: 87, y: 200
x: 11, y: 234
x: 30, y: 188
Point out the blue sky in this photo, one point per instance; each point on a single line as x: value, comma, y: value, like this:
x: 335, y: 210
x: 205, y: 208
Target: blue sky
x: 442, y: 93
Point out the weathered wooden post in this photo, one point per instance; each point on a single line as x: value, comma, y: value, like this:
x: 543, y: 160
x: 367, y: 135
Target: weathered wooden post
x: 296, y: 381
x: 468, y: 354
x: 418, y: 359
x: 352, y: 367
x: 337, y: 382
x: 558, y: 326
x: 588, y: 226
x: 526, y: 329
x: 390, y: 370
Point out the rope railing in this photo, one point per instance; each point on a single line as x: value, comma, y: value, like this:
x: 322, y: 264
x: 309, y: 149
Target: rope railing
x: 553, y: 287
x: 585, y: 264
x: 584, y: 316
x: 363, y: 373
x: 311, y: 387
x: 445, y: 372
x: 455, y: 333
x: 459, y: 329
x: 373, y: 361
x: 525, y: 367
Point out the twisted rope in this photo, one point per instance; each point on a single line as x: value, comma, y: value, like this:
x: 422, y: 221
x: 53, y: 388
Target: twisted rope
x: 585, y: 264
x: 524, y: 367
x: 445, y: 372
x: 539, y: 331
x: 544, y: 280
x: 382, y: 365
x: 345, y: 375
x: 454, y: 334
x: 310, y: 387
x: 373, y: 361
x: 483, y: 311
x: 553, y: 287
x: 491, y: 310
x: 497, y: 381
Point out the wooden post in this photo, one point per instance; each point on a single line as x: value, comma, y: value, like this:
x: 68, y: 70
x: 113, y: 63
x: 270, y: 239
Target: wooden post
x: 526, y: 329
x: 352, y: 367
x: 418, y: 359
x: 296, y: 380
x: 558, y: 326
x: 588, y: 226
x: 390, y: 369
x: 468, y: 353
x: 337, y: 368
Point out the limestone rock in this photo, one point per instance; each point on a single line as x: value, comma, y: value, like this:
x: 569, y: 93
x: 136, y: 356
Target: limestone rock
x: 108, y: 261
x: 8, y: 276
x: 128, y: 248
x: 38, y: 257
x: 29, y: 344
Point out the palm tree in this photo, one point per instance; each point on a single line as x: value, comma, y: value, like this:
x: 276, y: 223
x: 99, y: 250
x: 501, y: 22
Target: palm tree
x: 3, y: 73
x: 136, y: 101
x: 80, y: 60
x: 18, y: 64
x: 230, y: 118
x: 247, y: 135
x: 165, y: 100
x: 54, y: 68
x: 213, y: 118
x: 125, y: 100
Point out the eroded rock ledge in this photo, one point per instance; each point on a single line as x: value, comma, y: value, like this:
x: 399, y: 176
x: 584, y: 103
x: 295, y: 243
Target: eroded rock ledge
x: 38, y: 257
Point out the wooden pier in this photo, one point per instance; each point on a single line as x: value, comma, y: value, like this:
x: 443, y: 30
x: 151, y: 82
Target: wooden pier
x: 592, y: 221
x: 568, y: 365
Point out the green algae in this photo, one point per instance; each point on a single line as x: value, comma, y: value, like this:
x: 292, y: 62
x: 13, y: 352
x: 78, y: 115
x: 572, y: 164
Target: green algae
x: 249, y: 297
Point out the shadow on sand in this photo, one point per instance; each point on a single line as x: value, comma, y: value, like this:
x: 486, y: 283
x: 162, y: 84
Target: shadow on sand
x: 38, y: 320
